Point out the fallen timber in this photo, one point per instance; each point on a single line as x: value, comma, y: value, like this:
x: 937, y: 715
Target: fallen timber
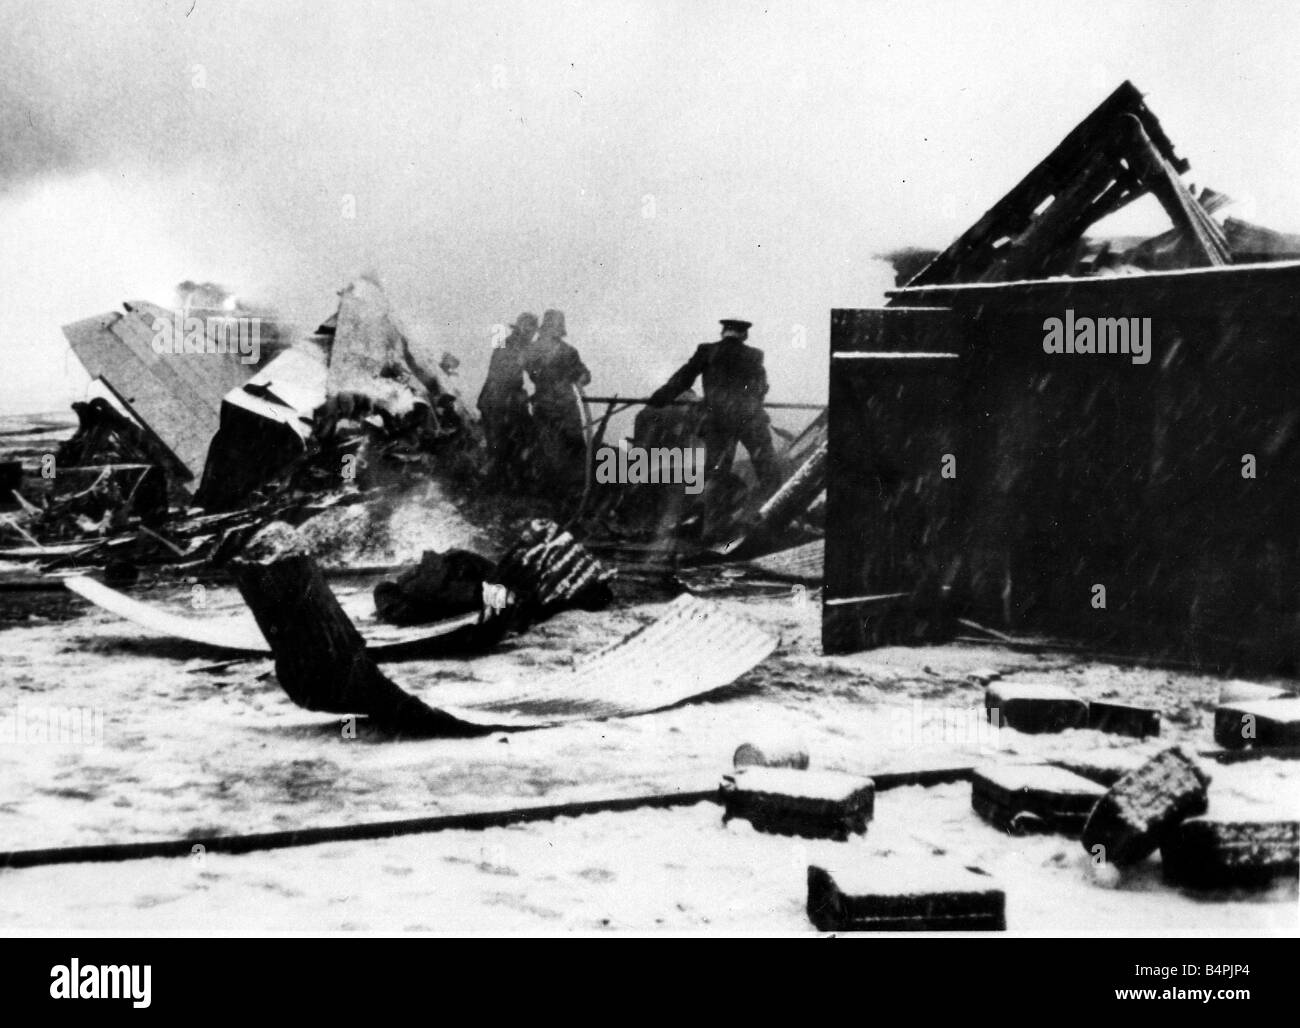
x: 472, y: 821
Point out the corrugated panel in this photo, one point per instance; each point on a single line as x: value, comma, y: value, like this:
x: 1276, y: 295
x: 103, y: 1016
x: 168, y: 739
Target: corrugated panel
x: 694, y: 648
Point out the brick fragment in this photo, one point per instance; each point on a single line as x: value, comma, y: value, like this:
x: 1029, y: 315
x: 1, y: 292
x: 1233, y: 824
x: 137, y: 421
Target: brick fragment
x: 1025, y: 799
x: 1274, y: 722
x: 1223, y: 850
x: 903, y: 893
x: 1124, y: 719
x: 1034, y: 707
x: 813, y: 804
x: 1129, y: 821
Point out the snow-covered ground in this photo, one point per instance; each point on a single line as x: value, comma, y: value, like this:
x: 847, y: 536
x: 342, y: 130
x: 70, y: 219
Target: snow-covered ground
x: 189, y: 753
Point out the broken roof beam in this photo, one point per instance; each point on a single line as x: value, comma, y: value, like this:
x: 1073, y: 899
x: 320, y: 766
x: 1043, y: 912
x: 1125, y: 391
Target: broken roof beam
x: 1074, y: 207
x: 1208, y: 245
x: 978, y: 253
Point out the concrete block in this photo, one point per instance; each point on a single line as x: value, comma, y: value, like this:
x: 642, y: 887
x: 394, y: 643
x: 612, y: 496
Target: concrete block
x: 1225, y: 850
x: 1274, y: 722
x: 1124, y: 719
x: 1129, y: 821
x: 1034, y: 707
x: 1033, y: 798
x: 903, y: 893
x: 813, y: 804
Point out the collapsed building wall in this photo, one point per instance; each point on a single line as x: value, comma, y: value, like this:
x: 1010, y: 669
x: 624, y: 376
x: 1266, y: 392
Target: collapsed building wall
x: 1071, y: 470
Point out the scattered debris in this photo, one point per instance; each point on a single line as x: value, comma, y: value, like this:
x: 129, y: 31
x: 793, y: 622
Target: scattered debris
x: 1024, y: 799
x: 266, y: 425
x: 371, y: 368
x: 322, y: 664
x: 903, y: 893
x: 1123, y: 719
x: 1128, y: 822
x: 320, y: 658
x: 239, y: 633
x: 1103, y: 766
x: 549, y: 570
x: 814, y: 804
x: 804, y: 563
x: 778, y: 755
x: 690, y: 649
x: 1263, y: 723
x: 1034, y: 707
x: 176, y: 394
x: 1222, y: 851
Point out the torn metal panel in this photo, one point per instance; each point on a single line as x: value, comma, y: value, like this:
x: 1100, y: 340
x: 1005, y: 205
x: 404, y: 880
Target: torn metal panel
x: 370, y: 368
x: 177, y: 396
x: 694, y: 647
x: 239, y: 633
x: 265, y: 426
x: 294, y: 380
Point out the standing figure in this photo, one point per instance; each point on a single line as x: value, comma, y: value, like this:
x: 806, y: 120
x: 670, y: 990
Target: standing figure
x: 735, y: 383
x: 503, y: 402
x: 555, y: 368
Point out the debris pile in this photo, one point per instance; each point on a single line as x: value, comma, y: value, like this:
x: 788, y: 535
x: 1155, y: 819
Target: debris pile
x: 211, y: 422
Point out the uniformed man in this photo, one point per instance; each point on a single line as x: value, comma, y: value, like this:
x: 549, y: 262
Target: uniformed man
x: 556, y: 368
x: 503, y: 402
x: 735, y: 383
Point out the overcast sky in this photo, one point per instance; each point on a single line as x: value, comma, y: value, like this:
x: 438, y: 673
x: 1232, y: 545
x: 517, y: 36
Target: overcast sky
x: 648, y: 167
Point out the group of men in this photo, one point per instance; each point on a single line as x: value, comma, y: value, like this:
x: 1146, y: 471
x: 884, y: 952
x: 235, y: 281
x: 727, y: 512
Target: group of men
x: 543, y: 442
x: 535, y: 441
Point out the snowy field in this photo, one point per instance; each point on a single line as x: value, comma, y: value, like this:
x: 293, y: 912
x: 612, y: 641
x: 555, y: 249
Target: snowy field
x: 189, y: 752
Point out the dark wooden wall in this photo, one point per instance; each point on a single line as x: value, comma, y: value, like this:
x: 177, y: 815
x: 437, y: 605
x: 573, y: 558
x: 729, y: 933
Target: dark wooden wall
x: 1072, y: 470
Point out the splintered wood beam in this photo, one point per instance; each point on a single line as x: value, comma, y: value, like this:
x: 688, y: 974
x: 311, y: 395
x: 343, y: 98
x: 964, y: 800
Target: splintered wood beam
x: 969, y: 254
x: 1183, y: 209
x: 1058, y: 226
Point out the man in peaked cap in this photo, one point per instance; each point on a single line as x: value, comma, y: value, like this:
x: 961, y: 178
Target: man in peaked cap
x: 735, y: 383
x: 503, y: 402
